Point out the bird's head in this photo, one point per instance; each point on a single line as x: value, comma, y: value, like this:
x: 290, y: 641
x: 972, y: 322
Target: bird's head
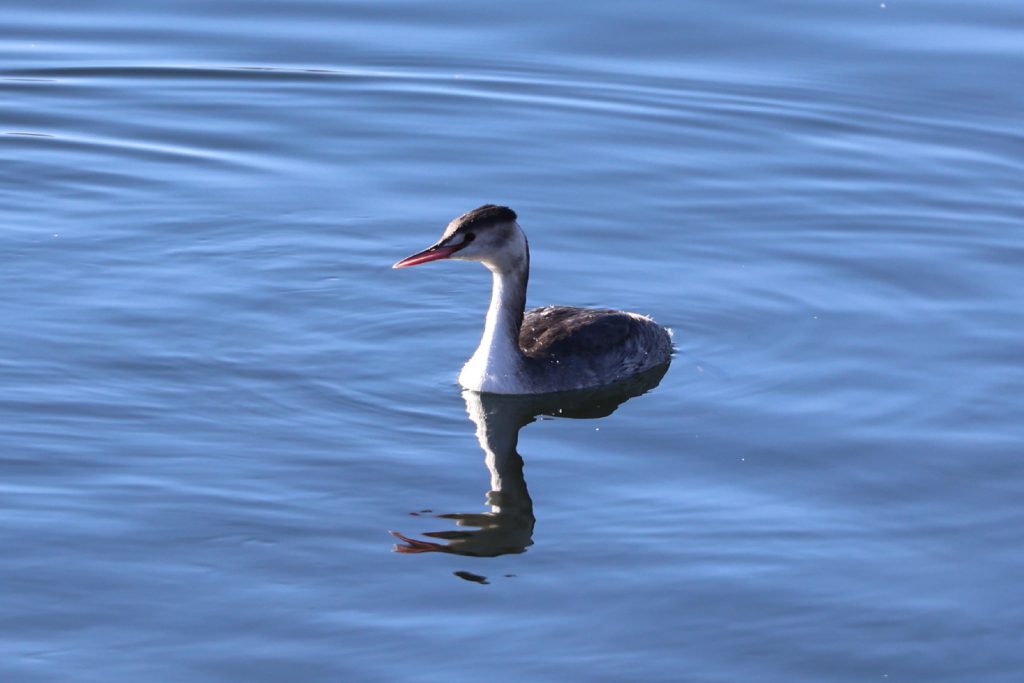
x: 488, y: 234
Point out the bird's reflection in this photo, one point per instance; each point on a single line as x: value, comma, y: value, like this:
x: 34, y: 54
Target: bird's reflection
x: 508, y: 526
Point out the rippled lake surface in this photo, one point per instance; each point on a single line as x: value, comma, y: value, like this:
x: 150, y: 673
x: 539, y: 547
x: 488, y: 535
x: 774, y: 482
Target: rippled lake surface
x: 218, y: 399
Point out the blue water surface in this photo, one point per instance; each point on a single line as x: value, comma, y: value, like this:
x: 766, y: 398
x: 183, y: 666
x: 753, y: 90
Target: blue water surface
x: 217, y: 399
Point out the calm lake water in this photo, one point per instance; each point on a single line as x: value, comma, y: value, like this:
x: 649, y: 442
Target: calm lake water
x: 218, y: 399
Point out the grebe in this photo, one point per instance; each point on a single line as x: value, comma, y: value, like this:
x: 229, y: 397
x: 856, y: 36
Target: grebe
x: 554, y: 348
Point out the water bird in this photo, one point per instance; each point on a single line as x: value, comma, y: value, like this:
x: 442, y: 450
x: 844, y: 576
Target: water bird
x: 548, y: 349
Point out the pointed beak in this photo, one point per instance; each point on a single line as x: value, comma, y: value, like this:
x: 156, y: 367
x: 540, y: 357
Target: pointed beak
x: 434, y: 253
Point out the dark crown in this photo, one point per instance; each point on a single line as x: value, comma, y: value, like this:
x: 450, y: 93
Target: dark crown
x: 488, y: 214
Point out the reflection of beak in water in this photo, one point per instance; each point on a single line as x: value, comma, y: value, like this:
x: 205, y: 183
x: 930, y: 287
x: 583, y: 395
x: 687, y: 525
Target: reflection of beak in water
x: 508, y: 527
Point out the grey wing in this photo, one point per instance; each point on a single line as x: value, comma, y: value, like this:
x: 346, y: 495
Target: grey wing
x: 563, y: 331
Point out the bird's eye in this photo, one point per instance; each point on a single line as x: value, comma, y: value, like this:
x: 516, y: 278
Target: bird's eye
x: 470, y: 237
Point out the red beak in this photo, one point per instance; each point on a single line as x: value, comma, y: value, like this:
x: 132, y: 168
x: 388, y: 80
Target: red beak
x: 435, y: 253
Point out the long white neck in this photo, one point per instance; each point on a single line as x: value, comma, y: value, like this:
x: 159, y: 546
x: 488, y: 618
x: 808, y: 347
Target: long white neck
x: 497, y: 364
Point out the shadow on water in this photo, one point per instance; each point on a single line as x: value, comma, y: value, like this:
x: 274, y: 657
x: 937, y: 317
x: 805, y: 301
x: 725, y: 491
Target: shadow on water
x: 508, y: 527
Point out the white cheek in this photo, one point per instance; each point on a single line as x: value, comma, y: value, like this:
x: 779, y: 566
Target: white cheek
x: 468, y: 253
x: 478, y: 250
